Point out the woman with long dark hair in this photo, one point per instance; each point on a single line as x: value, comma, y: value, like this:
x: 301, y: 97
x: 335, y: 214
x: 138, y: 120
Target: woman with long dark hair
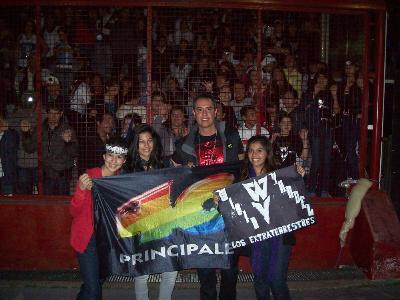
x: 145, y: 155
x: 269, y: 258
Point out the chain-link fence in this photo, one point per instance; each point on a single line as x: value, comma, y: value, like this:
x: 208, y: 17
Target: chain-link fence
x: 72, y: 77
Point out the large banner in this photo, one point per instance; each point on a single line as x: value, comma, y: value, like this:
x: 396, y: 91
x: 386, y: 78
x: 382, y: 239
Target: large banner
x: 165, y: 220
x: 162, y: 220
x: 264, y: 207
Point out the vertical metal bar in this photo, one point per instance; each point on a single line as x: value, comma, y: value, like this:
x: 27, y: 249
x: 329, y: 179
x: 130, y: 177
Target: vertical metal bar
x: 327, y: 36
x: 323, y: 38
x: 365, y: 100
x: 38, y: 96
x: 149, y: 113
x: 378, y: 98
x: 259, y: 58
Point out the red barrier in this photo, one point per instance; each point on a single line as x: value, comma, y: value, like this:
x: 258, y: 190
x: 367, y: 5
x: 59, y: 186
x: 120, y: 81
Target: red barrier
x: 375, y: 244
x: 35, y: 236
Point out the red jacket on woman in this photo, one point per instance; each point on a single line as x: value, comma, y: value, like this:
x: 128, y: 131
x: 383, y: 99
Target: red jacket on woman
x: 81, y: 209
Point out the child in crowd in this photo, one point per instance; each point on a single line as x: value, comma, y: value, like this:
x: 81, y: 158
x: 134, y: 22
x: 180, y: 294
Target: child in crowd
x: 250, y: 126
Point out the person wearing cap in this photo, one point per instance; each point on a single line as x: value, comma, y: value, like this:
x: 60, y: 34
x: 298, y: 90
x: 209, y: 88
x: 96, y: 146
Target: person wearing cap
x: 82, y: 238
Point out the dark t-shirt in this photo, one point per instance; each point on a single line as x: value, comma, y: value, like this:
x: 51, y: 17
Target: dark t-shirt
x: 286, y: 148
x: 209, y: 150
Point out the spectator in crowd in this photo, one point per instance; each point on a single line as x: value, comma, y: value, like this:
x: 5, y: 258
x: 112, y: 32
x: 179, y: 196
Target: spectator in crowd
x: 111, y: 97
x: 254, y: 84
x: 250, y: 126
x: 275, y: 40
x: 225, y: 97
x: 161, y: 59
x: 271, y: 117
x: 27, y: 162
x: 174, y: 93
x: 319, y: 111
x: 52, y: 92
x: 290, y: 106
x: 173, y: 129
x: 83, y: 238
x: 292, y: 75
x: 97, y: 95
x: 239, y: 99
x: 91, y: 146
x: 130, y: 107
x: 8, y: 158
x: 51, y: 38
x: 129, y: 122
x: 126, y: 90
x: 26, y: 44
x: 349, y: 97
x: 63, y: 54
x: 278, y: 85
x: 207, y: 144
x: 267, y: 66
x: 60, y: 150
x: 181, y: 69
x: 124, y: 42
x: 160, y: 109
x: 80, y: 104
x: 289, y: 146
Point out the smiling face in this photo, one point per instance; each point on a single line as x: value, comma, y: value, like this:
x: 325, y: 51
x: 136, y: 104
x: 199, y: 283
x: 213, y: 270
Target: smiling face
x: 205, y: 113
x: 257, y: 155
x: 145, y: 145
x: 112, y: 163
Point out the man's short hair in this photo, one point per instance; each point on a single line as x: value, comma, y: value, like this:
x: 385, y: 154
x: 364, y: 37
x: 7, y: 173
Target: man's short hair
x: 245, y: 109
x: 54, y: 106
x: 205, y: 96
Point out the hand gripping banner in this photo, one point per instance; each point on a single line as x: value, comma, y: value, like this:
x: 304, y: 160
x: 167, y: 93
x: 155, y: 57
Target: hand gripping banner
x: 263, y: 207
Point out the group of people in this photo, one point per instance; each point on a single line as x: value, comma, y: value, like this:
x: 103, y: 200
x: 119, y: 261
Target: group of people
x: 209, y: 142
x: 94, y: 70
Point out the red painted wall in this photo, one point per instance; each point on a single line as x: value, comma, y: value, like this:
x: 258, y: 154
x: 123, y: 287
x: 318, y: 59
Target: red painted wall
x: 35, y: 236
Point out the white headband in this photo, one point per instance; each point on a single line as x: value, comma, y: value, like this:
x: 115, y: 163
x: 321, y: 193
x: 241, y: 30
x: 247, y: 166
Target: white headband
x: 117, y: 149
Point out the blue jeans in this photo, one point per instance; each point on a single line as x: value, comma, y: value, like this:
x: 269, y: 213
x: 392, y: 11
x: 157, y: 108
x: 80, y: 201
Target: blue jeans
x: 321, y: 151
x: 89, y: 268
x: 270, y: 261
x: 27, y: 179
x: 208, y: 281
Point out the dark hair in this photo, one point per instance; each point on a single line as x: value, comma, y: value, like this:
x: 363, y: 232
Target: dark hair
x: 54, y: 106
x: 269, y: 164
x: 168, y: 122
x: 135, y: 162
x: 161, y: 95
x: 291, y: 90
x: 205, y: 96
x: 116, y: 141
x: 244, y: 109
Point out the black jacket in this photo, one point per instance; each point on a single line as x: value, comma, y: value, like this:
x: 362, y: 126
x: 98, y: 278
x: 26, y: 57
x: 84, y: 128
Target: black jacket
x: 231, y: 142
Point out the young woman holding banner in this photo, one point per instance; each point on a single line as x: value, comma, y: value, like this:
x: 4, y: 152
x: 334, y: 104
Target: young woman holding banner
x: 145, y: 154
x: 83, y: 239
x: 269, y: 258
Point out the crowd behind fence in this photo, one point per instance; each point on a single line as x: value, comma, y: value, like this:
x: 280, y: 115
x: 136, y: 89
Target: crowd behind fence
x: 271, y: 74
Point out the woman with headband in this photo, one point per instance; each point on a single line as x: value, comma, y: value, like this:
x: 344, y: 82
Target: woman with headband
x: 82, y: 232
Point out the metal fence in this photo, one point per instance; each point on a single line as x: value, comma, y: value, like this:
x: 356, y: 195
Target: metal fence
x: 72, y: 76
